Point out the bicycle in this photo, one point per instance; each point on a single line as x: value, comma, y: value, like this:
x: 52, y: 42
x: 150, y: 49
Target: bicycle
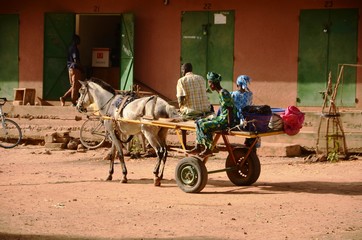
x: 93, y: 133
x: 10, y: 132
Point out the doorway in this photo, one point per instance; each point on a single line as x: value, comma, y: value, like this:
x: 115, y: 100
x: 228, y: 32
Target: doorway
x: 207, y: 41
x: 112, y: 33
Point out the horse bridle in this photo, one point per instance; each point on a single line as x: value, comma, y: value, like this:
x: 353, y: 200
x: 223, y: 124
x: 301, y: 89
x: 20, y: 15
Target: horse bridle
x: 81, y: 100
x: 80, y: 107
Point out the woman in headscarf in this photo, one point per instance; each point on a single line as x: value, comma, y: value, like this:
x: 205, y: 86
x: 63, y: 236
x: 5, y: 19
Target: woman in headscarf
x: 226, y: 119
x: 243, y: 96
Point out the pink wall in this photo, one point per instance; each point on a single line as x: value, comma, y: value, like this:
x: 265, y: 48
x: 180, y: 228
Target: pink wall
x: 266, y: 40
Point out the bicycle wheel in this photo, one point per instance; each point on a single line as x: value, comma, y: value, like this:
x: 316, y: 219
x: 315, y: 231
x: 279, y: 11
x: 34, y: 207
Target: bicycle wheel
x: 92, y: 133
x: 10, y: 134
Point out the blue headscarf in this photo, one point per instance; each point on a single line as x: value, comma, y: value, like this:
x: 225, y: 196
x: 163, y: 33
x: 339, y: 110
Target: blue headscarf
x: 243, y: 81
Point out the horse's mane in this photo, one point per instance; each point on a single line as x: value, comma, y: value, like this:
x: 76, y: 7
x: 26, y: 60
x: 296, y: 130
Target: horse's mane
x: 103, y: 84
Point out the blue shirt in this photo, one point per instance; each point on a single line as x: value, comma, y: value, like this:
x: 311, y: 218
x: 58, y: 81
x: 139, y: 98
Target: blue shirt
x: 241, y: 100
x: 73, y: 56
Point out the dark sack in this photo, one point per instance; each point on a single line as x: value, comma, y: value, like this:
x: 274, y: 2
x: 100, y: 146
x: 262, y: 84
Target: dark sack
x: 257, y: 118
x: 262, y: 109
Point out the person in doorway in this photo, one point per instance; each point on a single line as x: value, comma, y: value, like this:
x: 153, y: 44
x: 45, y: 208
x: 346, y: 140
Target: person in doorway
x: 74, y: 71
x: 207, y: 126
x: 242, y: 96
x: 191, y: 94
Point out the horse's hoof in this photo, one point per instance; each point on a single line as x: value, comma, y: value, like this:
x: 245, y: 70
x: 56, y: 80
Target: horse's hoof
x: 109, y: 178
x: 157, y: 182
x: 124, y: 180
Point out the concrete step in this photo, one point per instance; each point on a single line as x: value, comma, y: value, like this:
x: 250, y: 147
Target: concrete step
x: 37, y: 120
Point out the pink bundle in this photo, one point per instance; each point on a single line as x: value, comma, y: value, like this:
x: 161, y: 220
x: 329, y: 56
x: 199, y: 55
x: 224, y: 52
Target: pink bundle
x: 293, y: 120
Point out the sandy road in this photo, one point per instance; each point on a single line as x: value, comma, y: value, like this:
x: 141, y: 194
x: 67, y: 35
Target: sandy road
x: 63, y: 195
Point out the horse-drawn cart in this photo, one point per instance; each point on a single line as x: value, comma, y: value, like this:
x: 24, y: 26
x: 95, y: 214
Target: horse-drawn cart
x: 129, y: 118
x: 242, y: 164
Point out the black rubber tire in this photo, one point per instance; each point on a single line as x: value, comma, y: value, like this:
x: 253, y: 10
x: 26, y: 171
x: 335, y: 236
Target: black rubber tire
x: 191, y: 175
x: 92, y: 133
x: 10, y: 134
x: 248, y: 173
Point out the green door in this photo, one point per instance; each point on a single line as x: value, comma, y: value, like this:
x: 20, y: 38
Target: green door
x: 9, y: 55
x: 127, y: 52
x: 343, y: 45
x: 327, y: 38
x: 207, y: 41
x: 58, y: 33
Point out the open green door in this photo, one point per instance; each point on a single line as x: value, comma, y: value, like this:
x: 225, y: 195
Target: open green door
x: 207, y: 41
x: 58, y: 34
x: 127, y: 51
x: 9, y: 57
x: 327, y: 38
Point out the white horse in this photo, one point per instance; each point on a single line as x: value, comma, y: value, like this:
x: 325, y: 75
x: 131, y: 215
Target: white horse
x: 103, y: 96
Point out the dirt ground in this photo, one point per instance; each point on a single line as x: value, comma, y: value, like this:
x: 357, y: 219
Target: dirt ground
x: 62, y: 195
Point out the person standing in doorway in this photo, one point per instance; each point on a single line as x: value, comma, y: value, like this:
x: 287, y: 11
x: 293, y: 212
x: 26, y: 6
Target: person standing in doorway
x: 74, y: 71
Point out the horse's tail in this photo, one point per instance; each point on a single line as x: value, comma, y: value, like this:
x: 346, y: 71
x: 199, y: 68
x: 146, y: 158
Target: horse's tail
x: 157, y: 107
x: 150, y: 110
x: 173, y: 113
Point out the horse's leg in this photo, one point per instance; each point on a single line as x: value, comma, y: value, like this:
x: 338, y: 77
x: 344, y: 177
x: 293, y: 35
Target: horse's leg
x: 151, y: 134
x: 111, y: 163
x: 160, y: 165
x: 111, y: 170
x: 162, y: 134
x: 116, y: 143
x: 123, y: 164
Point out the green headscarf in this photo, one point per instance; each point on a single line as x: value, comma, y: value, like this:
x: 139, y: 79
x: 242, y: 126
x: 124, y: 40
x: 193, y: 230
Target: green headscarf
x: 213, y: 77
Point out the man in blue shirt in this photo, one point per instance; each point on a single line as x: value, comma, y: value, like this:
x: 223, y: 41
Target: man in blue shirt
x: 74, y: 70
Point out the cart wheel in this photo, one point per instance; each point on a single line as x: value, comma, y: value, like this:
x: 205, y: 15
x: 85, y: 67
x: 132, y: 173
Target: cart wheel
x: 246, y: 174
x: 191, y: 175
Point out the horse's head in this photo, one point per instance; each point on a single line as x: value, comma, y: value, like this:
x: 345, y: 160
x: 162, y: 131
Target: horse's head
x: 85, y: 98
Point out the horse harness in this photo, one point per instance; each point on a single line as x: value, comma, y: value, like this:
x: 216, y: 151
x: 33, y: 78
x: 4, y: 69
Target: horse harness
x: 120, y: 104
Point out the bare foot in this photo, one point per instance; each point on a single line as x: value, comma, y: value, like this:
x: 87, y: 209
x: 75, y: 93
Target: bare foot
x: 62, y: 101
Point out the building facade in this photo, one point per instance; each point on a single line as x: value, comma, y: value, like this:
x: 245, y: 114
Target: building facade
x: 288, y: 48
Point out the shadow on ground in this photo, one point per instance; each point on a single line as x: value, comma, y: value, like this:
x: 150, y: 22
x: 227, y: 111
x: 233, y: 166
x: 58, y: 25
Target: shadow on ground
x: 314, y: 187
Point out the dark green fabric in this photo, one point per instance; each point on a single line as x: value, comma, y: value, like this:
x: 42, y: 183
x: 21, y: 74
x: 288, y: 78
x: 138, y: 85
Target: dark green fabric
x: 213, y: 77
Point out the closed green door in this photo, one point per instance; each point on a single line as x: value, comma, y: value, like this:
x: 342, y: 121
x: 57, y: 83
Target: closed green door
x: 207, y: 41
x: 127, y: 52
x: 58, y: 33
x: 9, y: 54
x: 327, y: 38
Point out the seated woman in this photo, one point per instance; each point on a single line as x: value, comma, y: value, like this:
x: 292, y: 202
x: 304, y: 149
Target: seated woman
x: 207, y: 126
x: 242, y: 96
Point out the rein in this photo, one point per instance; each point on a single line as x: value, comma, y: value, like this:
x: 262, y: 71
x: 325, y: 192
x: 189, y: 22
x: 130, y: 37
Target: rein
x: 109, y: 105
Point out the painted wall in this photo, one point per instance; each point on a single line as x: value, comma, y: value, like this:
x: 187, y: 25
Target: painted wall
x: 266, y: 40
